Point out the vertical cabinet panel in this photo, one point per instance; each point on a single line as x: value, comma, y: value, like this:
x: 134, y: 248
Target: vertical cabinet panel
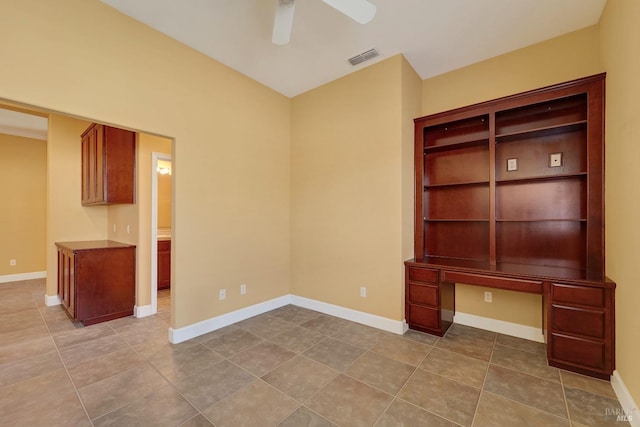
x: 164, y: 264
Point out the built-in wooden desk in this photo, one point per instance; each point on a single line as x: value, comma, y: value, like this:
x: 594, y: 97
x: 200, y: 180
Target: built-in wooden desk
x: 509, y: 193
x: 579, y: 324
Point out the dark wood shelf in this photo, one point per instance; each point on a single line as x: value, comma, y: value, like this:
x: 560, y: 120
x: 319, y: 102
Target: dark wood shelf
x: 528, y: 179
x: 543, y: 220
x: 457, y: 145
x: 456, y: 220
x: 455, y: 184
x: 541, y: 132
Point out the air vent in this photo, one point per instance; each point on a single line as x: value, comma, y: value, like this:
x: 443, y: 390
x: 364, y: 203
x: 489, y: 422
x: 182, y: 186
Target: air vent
x: 364, y: 56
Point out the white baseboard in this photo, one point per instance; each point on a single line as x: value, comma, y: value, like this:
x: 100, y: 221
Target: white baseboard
x: 629, y: 407
x: 142, y: 310
x: 23, y: 276
x: 195, y: 330
x: 186, y: 333
x: 378, y: 322
x: 51, y: 300
x: 500, y: 326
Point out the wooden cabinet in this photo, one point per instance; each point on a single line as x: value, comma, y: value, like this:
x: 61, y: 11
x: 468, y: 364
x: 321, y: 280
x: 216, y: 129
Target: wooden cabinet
x: 108, y: 165
x: 428, y: 302
x: 510, y: 194
x: 164, y: 264
x: 581, y: 327
x: 96, y: 279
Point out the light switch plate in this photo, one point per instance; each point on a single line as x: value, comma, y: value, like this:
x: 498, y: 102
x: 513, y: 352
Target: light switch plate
x: 555, y: 160
x: 512, y: 165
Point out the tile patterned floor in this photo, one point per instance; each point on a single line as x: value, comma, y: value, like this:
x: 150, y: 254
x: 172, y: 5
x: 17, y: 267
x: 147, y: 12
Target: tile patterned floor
x: 289, y: 367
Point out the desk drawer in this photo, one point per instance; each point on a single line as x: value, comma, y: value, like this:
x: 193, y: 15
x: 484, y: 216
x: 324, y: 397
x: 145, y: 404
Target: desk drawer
x: 588, y: 323
x: 424, y: 275
x: 574, y: 294
x: 577, y: 351
x: 423, y: 317
x: 521, y: 285
x: 423, y: 294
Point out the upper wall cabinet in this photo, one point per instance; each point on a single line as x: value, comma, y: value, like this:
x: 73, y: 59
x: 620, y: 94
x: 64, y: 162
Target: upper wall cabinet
x: 108, y: 165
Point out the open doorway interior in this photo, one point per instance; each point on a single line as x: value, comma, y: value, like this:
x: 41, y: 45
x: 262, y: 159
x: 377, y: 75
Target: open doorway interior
x: 161, y: 233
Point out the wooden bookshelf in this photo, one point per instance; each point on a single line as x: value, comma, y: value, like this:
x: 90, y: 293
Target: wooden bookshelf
x: 510, y: 194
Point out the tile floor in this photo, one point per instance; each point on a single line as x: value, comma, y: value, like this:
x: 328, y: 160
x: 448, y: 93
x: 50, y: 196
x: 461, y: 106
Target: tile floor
x: 289, y: 367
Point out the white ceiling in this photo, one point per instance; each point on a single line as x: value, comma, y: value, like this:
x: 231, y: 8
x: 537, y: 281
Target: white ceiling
x: 21, y: 124
x: 435, y: 36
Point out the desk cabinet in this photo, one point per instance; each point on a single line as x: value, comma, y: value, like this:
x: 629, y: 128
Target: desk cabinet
x: 96, y: 280
x: 509, y: 194
x: 581, y: 327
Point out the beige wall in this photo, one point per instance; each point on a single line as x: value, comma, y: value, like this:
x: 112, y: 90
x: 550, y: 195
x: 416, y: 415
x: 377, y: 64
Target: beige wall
x: 557, y: 60
x: 620, y: 50
x: 23, y: 174
x: 67, y: 219
x: 346, y: 189
x: 231, y: 153
x: 563, y: 58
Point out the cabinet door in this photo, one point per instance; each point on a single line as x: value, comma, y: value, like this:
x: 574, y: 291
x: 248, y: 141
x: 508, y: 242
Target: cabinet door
x: 93, y: 166
x: 164, y: 264
x: 66, y: 280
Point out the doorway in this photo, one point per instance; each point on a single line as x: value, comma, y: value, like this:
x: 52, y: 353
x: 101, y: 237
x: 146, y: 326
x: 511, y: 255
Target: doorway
x: 161, y: 232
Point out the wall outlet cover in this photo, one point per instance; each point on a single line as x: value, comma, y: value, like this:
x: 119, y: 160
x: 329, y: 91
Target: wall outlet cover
x: 555, y: 160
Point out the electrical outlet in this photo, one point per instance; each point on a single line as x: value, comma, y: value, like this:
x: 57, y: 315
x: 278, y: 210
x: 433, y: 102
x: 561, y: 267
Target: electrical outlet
x: 488, y: 297
x: 12, y: 262
x: 114, y: 228
x: 223, y: 294
x: 363, y: 292
x: 128, y: 229
x: 555, y: 160
x: 243, y: 289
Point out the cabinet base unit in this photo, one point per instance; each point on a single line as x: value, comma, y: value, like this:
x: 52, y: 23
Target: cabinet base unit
x: 96, y: 279
x: 164, y: 264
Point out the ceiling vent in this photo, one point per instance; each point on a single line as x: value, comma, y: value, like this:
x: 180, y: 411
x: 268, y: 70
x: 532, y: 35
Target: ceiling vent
x: 364, y: 56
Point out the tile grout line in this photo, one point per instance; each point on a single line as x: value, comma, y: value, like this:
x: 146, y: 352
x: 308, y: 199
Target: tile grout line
x: 170, y: 383
x: 564, y: 396
x: 396, y: 397
x: 66, y: 369
x: 484, y: 381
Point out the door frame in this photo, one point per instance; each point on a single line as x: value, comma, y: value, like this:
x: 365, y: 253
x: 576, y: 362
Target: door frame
x: 155, y: 156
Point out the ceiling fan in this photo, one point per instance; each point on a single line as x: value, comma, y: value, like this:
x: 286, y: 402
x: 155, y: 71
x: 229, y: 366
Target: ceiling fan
x: 360, y: 11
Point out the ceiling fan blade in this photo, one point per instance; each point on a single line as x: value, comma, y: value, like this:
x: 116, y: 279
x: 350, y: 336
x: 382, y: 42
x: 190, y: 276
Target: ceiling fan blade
x: 360, y: 11
x: 283, y: 22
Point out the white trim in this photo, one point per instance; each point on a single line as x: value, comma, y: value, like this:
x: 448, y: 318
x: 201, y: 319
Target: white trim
x: 155, y: 156
x: 186, y: 333
x: 626, y: 400
x: 378, y: 322
x: 500, y: 326
x: 195, y: 330
x: 23, y: 276
x: 40, y: 134
x: 142, y: 310
x: 51, y: 300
